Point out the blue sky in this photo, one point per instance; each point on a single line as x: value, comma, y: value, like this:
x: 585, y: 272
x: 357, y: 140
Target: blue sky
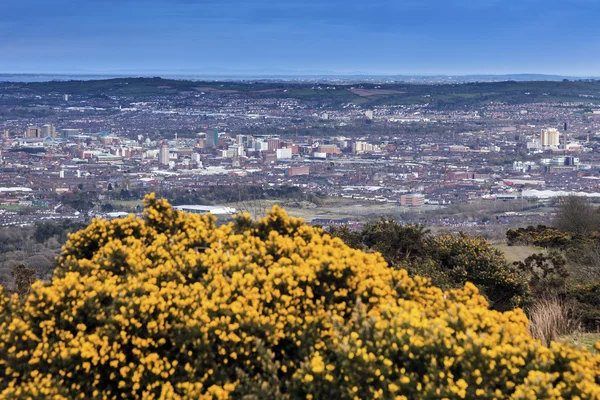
x: 301, y: 36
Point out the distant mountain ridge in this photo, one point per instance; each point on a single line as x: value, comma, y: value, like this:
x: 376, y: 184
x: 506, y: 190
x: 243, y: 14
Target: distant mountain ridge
x: 364, y: 92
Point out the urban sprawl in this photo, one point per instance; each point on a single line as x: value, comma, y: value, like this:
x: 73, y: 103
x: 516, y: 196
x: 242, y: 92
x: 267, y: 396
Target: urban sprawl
x: 412, y: 159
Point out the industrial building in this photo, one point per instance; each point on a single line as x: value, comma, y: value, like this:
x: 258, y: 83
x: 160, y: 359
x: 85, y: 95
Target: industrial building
x: 412, y: 200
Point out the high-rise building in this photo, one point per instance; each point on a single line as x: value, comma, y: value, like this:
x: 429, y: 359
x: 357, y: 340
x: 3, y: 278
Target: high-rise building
x: 241, y: 139
x: 216, y: 137
x: 236, y: 150
x: 212, y: 139
x: 163, y: 155
x: 32, y: 131
x: 359, y: 147
x: 67, y: 133
x: 363, y: 147
x: 369, y: 114
x: 47, y: 130
x: 550, y: 137
x: 273, y: 144
x: 260, y: 145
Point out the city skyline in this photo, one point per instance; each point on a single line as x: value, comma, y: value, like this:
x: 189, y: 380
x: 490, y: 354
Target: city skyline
x: 328, y: 37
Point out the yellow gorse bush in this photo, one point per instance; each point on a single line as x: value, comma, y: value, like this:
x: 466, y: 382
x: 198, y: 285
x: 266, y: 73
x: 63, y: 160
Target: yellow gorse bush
x: 172, y: 306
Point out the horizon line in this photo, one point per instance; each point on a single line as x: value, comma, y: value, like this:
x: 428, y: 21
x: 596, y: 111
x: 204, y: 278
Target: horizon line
x: 133, y: 74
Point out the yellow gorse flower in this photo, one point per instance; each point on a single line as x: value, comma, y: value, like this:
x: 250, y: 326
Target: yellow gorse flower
x: 172, y: 306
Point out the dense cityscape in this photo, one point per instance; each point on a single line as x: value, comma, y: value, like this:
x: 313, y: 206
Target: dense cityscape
x: 365, y: 157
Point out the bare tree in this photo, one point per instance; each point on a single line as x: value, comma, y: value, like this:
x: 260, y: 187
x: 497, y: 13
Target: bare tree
x: 576, y: 215
x: 257, y: 208
x: 23, y: 278
x: 252, y: 203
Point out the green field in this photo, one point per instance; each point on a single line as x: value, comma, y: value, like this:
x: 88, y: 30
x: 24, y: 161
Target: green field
x: 126, y: 203
x: 332, y: 208
x: 10, y: 207
x: 517, y: 253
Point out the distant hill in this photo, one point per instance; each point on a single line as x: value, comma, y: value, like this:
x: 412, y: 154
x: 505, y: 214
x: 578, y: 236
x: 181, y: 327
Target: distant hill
x: 368, y: 94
